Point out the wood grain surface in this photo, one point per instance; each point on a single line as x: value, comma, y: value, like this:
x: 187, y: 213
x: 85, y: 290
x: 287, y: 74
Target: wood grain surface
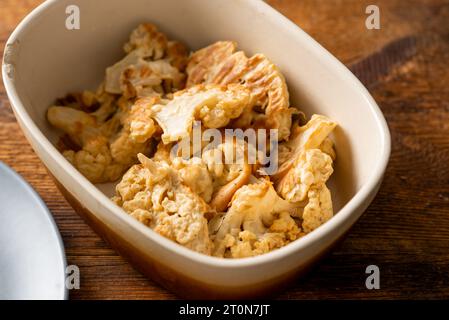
x: 406, y: 229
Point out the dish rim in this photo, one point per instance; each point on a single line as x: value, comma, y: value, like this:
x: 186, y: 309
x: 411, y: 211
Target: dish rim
x: 315, y: 236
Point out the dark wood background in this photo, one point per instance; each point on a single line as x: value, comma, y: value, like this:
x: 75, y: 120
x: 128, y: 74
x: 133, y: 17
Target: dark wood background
x: 406, y: 229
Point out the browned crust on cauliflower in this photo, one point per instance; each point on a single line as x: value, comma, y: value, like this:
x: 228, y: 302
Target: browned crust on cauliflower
x: 216, y: 202
x: 220, y: 64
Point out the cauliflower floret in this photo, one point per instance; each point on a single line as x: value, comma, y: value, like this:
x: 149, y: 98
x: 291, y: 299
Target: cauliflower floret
x: 268, y: 87
x: 135, y: 76
x: 216, y: 175
x: 106, y: 151
x: 95, y: 162
x: 312, y: 167
x: 141, y: 126
x: 305, y: 170
x: 283, y: 231
x: 153, y: 193
x: 202, y: 62
x: 148, y: 38
x: 79, y: 125
x: 177, y: 55
x: 137, y: 130
x: 194, y: 174
x: 287, y: 226
x: 164, y: 152
x: 114, y: 72
x: 153, y: 65
x: 327, y: 146
x: 90, y: 115
x: 229, y: 168
x: 254, y: 208
x: 156, y: 46
x: 100, y: 105
x: 124, y: 149
x: 309, y: 136
x: 206, y: 197
x: 220, y: 64
x: 90, y: 134
x: 319, y: 208
x: 215, y: 106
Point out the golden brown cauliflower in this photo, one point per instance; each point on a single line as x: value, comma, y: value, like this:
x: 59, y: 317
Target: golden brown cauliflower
x: 220, y: 64
x: 229, y: 169
x: 95, y: 162
x: 153, y: 193
x: 310, y: 136
x: 250, y: 226
x: 140, y: 125
x: 90, y: 133
x: 79, y: 125
x: 205, y: 63
x: 153, y: 65
x: 319, y: 208
x: 212, y: 199
x: 312, y: 167
x: 327, y: 146
x: 107, y: 145
x: 305, y: 169
x: 156, y: 46
x: 150, y: 78
x: 213, y: 105
x: 306, y: 165
x: 137, y: 128
x: 216, y: 174
x: 148, y: 38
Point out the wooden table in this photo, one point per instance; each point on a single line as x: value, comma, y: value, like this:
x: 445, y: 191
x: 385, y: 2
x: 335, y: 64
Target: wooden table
x: 406, y: 229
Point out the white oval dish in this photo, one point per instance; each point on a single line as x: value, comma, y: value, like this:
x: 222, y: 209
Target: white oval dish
x: 32, y: 259
x: 43, y: 60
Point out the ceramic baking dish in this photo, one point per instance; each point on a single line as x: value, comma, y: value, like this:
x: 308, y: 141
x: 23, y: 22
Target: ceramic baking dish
x: 44, y: 60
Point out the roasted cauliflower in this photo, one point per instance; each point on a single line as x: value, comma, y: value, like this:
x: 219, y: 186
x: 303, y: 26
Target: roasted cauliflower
x: 153, y: 65
x: 152, y: 68
x: 106, y: 146
x: 208, y: 193
x: 219, y: 63
x: 257, y: 221
x: 213, y: 105
x: 153, y: 193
